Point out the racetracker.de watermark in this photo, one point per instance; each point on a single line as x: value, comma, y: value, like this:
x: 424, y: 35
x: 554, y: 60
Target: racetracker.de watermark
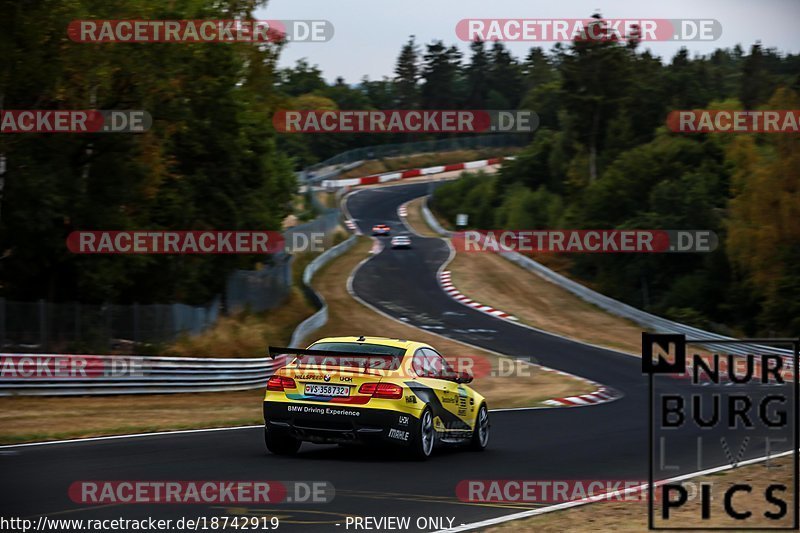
x: 200, y: 31
x: 557, y: 490
x: 94, y: 492
x: 405, y: 121
x: 448, y: 367
x: 66, y: 366
x: 175, y: 242
x: 196, y: 242
x: 74, y: 121
x: 738, y: 121
x: 563, y: 30
x: 586, y: 241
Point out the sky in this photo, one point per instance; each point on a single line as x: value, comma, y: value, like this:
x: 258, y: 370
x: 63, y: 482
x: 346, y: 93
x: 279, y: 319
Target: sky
x: 369, y: 33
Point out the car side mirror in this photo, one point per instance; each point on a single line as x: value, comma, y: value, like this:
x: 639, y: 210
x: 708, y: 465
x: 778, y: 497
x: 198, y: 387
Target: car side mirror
x: 463, y: 377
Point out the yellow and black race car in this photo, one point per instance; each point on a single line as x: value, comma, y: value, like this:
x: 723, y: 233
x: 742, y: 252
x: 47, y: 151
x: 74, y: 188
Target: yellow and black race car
x: 372, y: 390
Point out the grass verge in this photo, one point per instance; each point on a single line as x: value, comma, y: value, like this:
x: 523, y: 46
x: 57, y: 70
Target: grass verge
x: 247, y: 334
x: 31, y: 418
x: 494, y: 281
x: 416, y: 220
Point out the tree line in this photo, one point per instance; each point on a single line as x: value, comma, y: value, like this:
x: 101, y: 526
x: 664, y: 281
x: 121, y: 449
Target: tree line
x: 603, y: 159
x: 433, y: 76
x: 210, y: 160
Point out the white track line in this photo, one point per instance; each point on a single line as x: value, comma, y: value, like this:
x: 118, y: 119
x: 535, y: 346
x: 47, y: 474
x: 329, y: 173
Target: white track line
x: 556, y: 402
x: 605, y: 496
x: 129, y: 436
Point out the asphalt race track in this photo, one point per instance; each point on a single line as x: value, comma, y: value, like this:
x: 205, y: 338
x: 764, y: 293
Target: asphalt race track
x: 607, y: 441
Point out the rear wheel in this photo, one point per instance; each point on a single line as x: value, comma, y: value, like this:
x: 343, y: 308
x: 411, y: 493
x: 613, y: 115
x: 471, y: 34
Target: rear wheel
x: 281, y: 443
x: 480, y: 435
x: 422, y: 447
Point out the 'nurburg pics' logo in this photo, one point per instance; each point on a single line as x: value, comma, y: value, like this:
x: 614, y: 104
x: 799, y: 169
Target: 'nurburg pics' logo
x: 663, y: 354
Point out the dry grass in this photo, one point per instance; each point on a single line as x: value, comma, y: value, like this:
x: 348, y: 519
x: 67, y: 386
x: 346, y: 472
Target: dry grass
x: 25, y: 419
x: 492, y: 280
x: 327, y: 199
x: 415, y: 219
x: 527, y: 387
x: 632, y: 515
x: 247, y: 334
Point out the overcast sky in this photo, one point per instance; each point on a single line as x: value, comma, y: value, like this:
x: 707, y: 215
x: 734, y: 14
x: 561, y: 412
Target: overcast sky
x: 369, y: 33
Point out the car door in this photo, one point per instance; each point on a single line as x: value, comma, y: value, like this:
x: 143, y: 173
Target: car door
x: 443, y: 395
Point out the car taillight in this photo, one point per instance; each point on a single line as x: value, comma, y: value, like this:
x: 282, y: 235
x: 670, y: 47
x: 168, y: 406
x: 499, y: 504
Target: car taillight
x: 389, y: 391
x: 278, y: 383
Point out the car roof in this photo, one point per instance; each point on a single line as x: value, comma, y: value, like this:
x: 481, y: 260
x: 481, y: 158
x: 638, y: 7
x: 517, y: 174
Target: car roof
x: 383, y: 341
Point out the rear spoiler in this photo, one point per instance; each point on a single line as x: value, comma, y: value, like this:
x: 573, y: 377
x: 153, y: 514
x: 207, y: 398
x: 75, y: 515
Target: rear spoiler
x: 274, y: 351
x: 364, y: 359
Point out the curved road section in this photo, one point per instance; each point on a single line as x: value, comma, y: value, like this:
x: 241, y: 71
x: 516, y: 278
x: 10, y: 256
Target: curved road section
x: 606, y: 442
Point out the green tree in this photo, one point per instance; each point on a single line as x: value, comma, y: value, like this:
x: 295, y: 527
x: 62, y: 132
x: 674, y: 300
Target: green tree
x: 407, y: 74
x: 478, y: 76
x: 441, y: 71
x: 505, y: 80
x: 590, y: 91
x: 209, y: 160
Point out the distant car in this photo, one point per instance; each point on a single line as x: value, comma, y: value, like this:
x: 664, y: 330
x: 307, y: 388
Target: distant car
x: 361, y: 390
x: 381, y: 230
x: 401, y: 241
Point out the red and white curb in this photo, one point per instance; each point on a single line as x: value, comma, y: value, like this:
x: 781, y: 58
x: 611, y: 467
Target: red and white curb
x: 450, y: 289
x: 352, y: 226
x: 413, y: 173
x: 603, y: 394
x: 402, y: 211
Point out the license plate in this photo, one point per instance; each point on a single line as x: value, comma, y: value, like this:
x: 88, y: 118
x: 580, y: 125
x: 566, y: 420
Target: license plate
x: 313, y: 389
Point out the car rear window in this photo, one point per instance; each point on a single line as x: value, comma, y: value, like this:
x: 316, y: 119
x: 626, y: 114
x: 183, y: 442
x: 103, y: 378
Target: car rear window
x: 376, y: 356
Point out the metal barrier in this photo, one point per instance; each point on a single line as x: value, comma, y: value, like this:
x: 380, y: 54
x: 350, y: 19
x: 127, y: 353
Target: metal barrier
x: 316, y: 173
x: 615, y: 307
x: 318, y: 319
x: 36, y: 374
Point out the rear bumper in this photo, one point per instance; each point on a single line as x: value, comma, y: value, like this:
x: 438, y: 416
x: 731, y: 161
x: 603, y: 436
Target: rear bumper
x: 339, y: 424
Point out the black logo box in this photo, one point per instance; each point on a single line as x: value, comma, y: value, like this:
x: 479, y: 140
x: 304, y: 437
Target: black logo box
x: 675, y: 344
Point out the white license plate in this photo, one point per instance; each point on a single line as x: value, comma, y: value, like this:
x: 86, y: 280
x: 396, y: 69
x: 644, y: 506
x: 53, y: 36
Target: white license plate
x: 314, y: 389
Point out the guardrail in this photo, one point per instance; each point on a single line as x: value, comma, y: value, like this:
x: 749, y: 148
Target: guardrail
x: 318, y: 319
x: 79, y: 375
x: 315, y: 176
x: 615, y: 307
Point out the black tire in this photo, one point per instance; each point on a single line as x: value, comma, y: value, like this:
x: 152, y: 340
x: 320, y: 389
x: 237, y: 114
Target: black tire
x: 281, y: 443
x: 424, y: 437
x: 480, y: 434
